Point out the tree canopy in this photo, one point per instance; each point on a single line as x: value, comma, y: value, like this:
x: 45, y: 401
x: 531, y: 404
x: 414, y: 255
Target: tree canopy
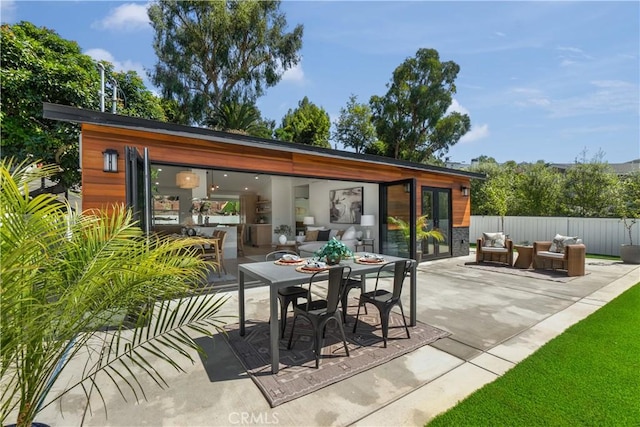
x: 210, y: 52
x: 37, y: 66
x: 307, y: 124
x: 412, y: 118
x: 354, y: 128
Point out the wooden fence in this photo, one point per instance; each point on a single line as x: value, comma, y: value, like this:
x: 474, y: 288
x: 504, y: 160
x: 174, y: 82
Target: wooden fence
x: 600, y: 235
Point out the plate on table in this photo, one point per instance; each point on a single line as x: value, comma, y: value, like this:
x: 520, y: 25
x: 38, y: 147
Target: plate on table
x: 312, y: 267
x: 290, y: 260
x: 370, y: 259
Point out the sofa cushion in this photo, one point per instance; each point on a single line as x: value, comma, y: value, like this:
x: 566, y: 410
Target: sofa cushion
x: 349, y: 233
x: 315, y: 228
x: 549, y: 254
x: 493, y: 240
x: 559, y: 242
x: 323, y: 235
x: 311, y: 236
x: 494, y: 250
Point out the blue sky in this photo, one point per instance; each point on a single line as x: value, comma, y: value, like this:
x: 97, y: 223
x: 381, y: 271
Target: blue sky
x: 539, y: 80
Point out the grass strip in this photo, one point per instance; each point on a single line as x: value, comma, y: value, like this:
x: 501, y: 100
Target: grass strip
x: 589, y: 375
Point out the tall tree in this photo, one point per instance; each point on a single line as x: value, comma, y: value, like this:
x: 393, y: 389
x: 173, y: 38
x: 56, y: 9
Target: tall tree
x: 242, y: 118
x: 354, y: 128
x: 36, y: 66
x: 307, y: 124
x: 215, y: 51
x: 411, y: 118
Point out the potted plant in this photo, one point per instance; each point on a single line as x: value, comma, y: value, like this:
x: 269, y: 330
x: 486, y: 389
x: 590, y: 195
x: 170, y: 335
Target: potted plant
x: 422, y: 231
x: 284, y: 232
x: 334, y: 251
x: 66, y: 277
x: 629, y: 207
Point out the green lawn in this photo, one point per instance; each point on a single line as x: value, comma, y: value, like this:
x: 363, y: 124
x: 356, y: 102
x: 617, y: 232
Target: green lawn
x: 587, y: 376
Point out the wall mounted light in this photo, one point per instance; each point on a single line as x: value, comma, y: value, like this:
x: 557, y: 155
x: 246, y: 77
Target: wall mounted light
x: 465, y: 191
x: 110, y: 160
x: 187, y: 179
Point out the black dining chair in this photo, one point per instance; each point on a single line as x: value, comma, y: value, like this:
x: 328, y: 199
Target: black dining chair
x: 287, y: 295
x: 385, y: 300
x: 320, y: 312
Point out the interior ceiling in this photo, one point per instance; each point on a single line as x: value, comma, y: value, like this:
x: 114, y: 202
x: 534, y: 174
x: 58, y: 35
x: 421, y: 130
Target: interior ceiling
x: 228, y: 182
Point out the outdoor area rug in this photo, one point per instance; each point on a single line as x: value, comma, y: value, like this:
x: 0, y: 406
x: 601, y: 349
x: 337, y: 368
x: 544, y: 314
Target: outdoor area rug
x: 298, y: 375
x: 555, y: 276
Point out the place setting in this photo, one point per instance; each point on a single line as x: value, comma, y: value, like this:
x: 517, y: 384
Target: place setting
x: 312, y: 266
x: 368, y: 258
x: 290, y: 259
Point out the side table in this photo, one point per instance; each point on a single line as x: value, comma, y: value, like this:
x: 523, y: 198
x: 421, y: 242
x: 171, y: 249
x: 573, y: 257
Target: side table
x: 364, y: 243
x: 525, y: 256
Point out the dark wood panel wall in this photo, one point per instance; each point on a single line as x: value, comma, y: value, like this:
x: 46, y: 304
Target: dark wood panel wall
x: 102, y: 189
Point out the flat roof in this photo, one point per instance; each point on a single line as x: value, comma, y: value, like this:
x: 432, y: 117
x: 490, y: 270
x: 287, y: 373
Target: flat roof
x: 70, y: 114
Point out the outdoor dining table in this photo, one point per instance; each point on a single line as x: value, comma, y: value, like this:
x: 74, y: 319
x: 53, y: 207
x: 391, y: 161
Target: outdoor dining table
x: 279, y: 276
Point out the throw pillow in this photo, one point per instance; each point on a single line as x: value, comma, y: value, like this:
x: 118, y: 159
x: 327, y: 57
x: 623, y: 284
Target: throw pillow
x: 311, y: 236
x: 323, y: 235
x: 493, y: 240
x: 334, y: 233
x: 559, y: 242
x: 349, y: 233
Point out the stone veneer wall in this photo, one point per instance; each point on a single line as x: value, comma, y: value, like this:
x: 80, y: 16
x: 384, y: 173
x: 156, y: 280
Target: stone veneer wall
x: 460, y: 241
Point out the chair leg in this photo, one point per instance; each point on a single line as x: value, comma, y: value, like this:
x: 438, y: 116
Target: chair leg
x: 404, y: 319
x: 293, y: 326
x: 384, y: 320
x: 318, y: 342
x: 355, y: 325
x: 283, y: 316
x: 344, y: 337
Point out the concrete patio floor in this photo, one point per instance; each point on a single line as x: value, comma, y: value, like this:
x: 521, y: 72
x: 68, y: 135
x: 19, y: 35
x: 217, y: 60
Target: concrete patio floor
x: 495, y: 319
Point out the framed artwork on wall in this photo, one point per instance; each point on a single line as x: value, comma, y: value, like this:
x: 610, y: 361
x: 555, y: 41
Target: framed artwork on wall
x: 345, y: 206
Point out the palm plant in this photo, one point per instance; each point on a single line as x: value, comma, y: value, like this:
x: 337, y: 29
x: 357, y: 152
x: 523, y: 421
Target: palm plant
x: 65, y: 277
x: 422, y: 231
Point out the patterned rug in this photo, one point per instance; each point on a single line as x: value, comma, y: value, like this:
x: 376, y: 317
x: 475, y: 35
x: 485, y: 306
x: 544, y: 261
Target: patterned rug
x: 553, y: 275
x: 298, y: 375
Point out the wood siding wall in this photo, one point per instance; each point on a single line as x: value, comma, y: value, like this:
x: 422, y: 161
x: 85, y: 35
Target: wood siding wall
x: 101, y: 189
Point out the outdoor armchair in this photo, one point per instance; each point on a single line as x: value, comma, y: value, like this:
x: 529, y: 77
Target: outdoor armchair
x: 494, y: 247
x: 569, y: 257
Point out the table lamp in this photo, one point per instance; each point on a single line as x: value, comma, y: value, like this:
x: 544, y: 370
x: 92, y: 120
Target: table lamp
x: 308, y: 220
x: 368, y: 221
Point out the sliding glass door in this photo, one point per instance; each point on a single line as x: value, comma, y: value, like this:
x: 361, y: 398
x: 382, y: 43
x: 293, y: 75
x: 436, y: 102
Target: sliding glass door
x: 397, y: 218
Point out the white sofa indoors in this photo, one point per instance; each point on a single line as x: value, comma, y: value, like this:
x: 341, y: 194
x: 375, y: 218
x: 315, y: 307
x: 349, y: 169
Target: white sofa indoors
x: 316, y: 237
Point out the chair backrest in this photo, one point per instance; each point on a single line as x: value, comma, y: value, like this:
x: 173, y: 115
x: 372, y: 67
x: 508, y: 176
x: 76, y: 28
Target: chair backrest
x: 222, y: 235
x: 400, y: 270
x: 276, y: 255
x: 337, y: 276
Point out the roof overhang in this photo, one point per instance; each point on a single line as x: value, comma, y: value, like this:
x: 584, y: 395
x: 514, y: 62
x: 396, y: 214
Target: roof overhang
x: 70, y: 114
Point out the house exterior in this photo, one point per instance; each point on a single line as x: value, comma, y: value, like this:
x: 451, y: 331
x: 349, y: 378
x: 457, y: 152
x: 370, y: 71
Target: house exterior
x: 295, y: 172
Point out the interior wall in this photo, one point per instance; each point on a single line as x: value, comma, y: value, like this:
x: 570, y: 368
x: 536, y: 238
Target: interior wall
x: 319, y: 203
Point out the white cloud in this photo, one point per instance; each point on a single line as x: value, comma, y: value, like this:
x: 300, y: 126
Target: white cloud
x: 7, y: 10
x: 294, y: 74
x: 126, y: 17
x: 455, y: 106
x: 500, y: 34
x: 476, y: 133
x: 127, y: 65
